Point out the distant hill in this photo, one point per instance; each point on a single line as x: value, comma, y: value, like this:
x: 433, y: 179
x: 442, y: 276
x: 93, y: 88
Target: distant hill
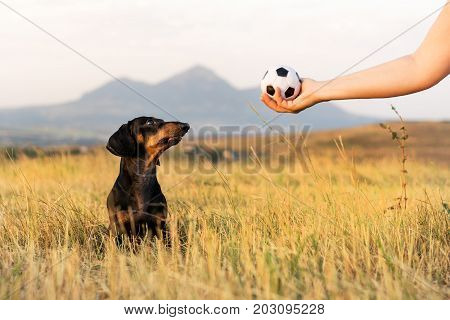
x: 427, y: 142
x: 197, y: 96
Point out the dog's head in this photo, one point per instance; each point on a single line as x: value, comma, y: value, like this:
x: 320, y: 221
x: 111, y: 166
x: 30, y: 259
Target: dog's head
x: 146, y: 137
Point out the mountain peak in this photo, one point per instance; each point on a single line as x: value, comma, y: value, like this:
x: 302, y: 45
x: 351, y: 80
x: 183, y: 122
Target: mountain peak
x: 200, y: 70
x: 197, y: 73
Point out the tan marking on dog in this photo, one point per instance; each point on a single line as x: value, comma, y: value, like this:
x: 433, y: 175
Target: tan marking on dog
x: 152, y: 144
x: 167, y: 131
x: 123, y: 217
x: 140, y: 138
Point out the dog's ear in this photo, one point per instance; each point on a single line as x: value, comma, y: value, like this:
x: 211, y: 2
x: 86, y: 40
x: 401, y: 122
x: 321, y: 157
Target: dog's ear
x: 122, y: 143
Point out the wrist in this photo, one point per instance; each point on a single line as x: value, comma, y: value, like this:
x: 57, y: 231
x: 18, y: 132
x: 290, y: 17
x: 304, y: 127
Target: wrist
x: 321, y: 94
x: 329, y: 90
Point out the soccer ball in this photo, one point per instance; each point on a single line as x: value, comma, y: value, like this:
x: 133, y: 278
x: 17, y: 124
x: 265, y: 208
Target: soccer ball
x: 283, y: 77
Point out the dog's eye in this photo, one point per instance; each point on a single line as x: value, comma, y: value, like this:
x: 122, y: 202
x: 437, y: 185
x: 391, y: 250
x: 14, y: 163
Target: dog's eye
x: 150, y: 122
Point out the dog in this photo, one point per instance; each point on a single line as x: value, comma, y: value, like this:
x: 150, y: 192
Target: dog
x: 136, y: 204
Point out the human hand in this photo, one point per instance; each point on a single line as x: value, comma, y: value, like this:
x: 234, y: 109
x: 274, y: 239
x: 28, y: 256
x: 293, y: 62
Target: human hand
x: 308, y: 97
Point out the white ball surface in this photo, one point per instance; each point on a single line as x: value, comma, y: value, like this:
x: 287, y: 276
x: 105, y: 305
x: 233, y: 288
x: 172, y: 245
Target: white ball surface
x: 283, y: 77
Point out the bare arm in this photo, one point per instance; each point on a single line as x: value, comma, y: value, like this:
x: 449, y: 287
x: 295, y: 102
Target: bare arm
x: 409, y: 74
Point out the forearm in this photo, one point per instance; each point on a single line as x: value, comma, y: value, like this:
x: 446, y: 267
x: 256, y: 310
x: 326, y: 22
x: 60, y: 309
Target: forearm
x: 395, y: 78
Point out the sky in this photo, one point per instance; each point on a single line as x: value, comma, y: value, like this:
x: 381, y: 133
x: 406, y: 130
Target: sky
x: 152, y: 40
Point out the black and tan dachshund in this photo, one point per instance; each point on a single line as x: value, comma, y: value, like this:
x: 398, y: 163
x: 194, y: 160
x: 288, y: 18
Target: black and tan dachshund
x: 136, y: 204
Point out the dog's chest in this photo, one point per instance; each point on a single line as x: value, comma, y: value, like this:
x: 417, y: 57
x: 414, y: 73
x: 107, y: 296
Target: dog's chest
x: 147, y: 198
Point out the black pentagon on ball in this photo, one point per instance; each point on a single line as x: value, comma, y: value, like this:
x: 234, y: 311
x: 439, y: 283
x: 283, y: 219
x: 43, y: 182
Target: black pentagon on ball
x: 289, y: 92
x: 265, y: 74
x: 270, y: 90
x: 282, y: 72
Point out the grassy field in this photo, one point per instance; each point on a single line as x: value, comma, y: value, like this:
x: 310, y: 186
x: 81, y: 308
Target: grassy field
x: 325, y: 233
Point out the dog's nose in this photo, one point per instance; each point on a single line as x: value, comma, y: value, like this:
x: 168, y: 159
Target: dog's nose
x: 185, y: 127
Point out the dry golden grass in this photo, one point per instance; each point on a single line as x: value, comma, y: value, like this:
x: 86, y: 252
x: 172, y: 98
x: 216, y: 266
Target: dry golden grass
x: 291, y: 235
